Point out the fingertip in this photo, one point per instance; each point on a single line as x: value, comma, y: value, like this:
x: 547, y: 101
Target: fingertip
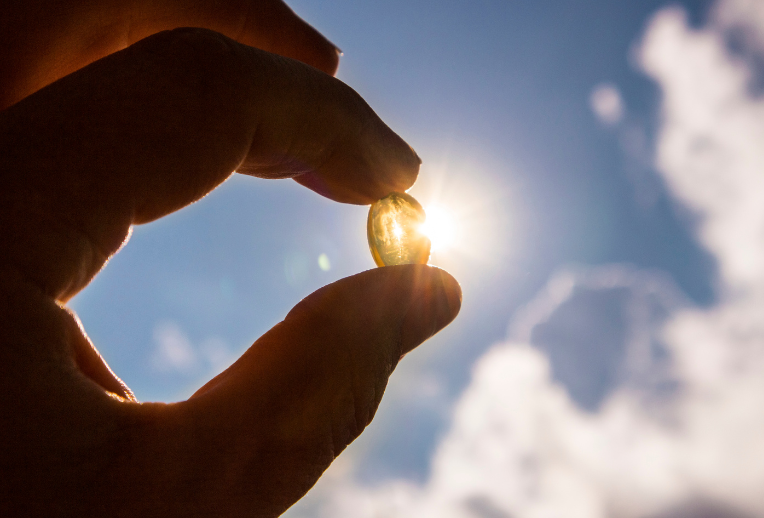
x: 305, y: 43
x: 365, y: 167
x: 416, y: 155
x: 333, y: 60
x: 436, y: 302
x: 418, y: 299
x: 319, y: 52
x: 397, y: 164
x: 453, y: 292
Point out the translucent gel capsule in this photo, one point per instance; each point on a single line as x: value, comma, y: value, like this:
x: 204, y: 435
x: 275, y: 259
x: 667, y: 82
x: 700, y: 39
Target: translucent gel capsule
x: 393, y: 231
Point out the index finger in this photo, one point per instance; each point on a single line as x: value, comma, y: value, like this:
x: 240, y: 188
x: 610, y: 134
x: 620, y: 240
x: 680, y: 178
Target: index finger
x: 148, y: 130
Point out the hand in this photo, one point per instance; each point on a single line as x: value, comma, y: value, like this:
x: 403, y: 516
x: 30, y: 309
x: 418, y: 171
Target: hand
x: 128, y: 139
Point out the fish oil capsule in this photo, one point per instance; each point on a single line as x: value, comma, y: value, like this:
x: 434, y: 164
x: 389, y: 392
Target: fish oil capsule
x: 394, y: 231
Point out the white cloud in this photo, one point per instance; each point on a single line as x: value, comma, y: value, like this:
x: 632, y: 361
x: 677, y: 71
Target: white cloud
x: 680, y: 430
x: 607, y: 104
x: 175, y: 352
x: 710, y: 147
x: 173, y: 349
x: 744, y: 16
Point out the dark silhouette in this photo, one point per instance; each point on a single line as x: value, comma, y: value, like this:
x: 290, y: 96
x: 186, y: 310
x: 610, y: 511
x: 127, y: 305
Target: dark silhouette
x: 113, y: 116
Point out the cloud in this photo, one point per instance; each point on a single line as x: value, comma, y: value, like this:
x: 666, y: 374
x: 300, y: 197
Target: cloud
x: 601, y: 327
x: 614, y: 397
x: 607, y: 104
x: 710, y: 146
x: 173, y: 349
x: 175, y: 352
x: 746, y: 18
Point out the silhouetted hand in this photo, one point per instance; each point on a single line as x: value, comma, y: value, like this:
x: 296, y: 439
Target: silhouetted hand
x: 99, y: 133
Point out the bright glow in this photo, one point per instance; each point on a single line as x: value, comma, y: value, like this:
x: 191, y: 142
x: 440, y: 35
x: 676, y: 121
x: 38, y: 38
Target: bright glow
x: 467, y: 217
x: 397, y: 231
x: 324, y: 263
x: 440, y: 227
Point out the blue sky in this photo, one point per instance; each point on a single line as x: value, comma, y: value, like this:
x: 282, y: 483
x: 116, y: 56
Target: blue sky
x: 582, y: 238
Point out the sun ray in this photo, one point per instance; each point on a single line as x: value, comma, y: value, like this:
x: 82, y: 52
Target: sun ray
x: 441, y: 227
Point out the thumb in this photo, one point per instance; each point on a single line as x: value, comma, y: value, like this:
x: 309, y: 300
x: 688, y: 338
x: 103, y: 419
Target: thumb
x: 250, y: 443
x: 308, y: 387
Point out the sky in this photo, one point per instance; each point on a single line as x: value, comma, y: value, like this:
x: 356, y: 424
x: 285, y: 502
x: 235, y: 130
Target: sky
x: 602, y: 164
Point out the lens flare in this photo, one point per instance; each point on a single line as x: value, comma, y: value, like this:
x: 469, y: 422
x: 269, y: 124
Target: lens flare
x: 468, y: 218
x: 440, y: 227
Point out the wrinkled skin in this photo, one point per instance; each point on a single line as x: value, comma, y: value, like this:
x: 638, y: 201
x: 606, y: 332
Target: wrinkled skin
x: 111, y: 118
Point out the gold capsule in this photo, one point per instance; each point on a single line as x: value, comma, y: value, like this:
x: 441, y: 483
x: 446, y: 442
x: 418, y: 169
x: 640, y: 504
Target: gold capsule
x: 393, y: 229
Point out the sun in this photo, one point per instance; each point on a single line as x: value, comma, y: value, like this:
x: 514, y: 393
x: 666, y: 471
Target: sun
x: 440, y: 227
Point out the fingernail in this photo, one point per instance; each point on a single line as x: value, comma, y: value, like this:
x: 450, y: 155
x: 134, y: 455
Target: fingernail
x: 436, y: 305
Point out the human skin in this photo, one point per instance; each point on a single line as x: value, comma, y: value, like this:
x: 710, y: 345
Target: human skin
x: 108, y: 122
